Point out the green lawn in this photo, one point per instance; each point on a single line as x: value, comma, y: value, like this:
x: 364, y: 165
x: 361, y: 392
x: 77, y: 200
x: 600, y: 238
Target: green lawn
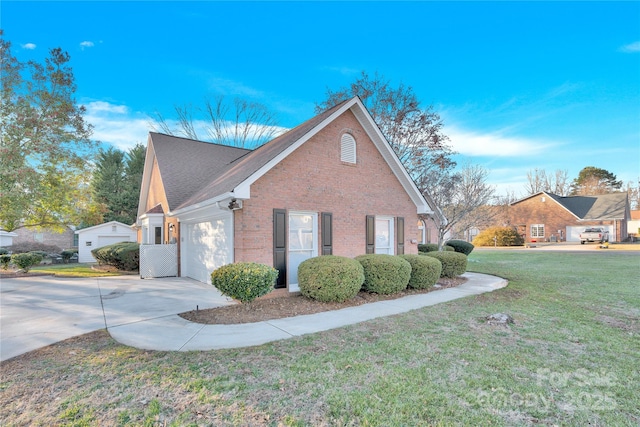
x: 570, y: 359
x: 72, y: 270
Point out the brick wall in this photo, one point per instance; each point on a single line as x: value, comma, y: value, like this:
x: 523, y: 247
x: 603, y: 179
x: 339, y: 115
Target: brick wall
x: 62, y: 240
x: 314, y: 179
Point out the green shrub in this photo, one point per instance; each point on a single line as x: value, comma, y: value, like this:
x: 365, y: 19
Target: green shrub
x: 42, y: 254
x: 427, y: 247
x: 432, y: 247
x: 5, y: 260
x: 505, y: 236
x: 453, y: 263
x: 4, y: 251
x: 123, y: 256
x: 384, y: 274
x: 461, y: 246
x: 425, y: 271
x: 27, y: 260
x: 330, y: 278
x: 66, y: 256
x: 244, y: 281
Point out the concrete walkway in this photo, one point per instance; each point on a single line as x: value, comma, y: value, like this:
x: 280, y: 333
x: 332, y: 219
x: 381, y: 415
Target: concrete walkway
x: 38, y: 311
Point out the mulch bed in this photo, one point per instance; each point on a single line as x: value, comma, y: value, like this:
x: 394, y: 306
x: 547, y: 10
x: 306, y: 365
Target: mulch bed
x: 276, y: 308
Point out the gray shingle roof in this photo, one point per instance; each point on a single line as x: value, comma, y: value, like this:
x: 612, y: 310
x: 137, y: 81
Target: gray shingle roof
x: 195, y: 171
x: 187, y: 165
x: 597, y: 207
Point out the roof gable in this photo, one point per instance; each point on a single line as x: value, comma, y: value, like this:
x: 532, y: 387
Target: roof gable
x: 103, y: 225
x: 196, y: 173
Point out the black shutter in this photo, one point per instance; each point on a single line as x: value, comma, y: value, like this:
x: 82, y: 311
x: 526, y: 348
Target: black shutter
x: 280, y: 246
x: 371, y: 234
x: 400, y: 235
x: 327, y: 233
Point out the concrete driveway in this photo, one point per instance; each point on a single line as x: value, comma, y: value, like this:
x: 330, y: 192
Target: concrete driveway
x: 39, y: 311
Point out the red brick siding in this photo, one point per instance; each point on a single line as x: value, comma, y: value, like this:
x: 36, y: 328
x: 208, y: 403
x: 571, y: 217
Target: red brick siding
x: 314, y: 179
x: 62, y: 240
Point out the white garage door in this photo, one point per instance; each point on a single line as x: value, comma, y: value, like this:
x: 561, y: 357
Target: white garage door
x: 207, y: 246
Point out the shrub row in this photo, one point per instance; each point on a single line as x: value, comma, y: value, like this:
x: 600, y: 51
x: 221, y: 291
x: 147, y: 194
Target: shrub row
x: 453, y: 263
x: 124, y: 255
x: 332, y: 278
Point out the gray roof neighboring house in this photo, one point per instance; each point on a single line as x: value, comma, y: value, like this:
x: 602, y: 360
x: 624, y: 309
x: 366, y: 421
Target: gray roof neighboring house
x: 592, y: 208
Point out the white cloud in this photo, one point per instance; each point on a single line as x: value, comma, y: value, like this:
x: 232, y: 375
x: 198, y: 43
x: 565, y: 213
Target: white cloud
x: 494, y: 144
x: 86, y: 44
x: 234, y: 88
x: 116, y: 125
x: 630, y: 48
x: 29, y: 46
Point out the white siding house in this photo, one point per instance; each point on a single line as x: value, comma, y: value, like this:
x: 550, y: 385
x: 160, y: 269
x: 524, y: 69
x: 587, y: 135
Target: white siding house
x: 102, y: 235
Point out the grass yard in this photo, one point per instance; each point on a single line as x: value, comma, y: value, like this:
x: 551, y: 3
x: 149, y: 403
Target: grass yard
x: 571, y: 358
x: 73, y: 270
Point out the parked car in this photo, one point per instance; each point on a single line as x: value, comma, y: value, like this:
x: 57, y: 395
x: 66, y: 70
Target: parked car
x: 599, y: 235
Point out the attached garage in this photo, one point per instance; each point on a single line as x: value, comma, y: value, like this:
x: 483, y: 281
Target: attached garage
x: 102, y: 235
x: 206, y: 245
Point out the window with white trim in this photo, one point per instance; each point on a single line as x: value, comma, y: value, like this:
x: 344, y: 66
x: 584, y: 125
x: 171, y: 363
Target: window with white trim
x: 348, y: 148
x: 537, y: 230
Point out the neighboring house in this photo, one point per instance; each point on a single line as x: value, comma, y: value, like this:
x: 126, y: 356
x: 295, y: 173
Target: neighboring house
x: 332, y: 185
x: 63, y: 240
x: 102, y: 235
x: 545, y: 217
x: 6, y: 238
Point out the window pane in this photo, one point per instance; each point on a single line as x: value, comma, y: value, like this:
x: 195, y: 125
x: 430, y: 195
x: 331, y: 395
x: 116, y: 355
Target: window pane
x: 300, y: 232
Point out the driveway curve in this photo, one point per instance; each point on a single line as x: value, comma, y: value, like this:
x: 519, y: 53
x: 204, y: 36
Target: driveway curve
x: 39, y: 311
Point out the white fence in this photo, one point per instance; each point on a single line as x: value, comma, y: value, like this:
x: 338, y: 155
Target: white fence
x: 158, y: 261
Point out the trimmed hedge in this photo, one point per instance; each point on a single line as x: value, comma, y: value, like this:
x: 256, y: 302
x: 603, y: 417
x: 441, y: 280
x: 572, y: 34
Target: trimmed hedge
x: 124, y: 255
x: 27, y: 260
x: 66, y: 255
x: 453, y: 263
x: 425, y: 271
x: 244, y: 281
x: 5, y: 260
x: 505, y: 236
x: 384, y: 274
x: 461, y: 246
x: 432, y: 247
x: 330, y: 278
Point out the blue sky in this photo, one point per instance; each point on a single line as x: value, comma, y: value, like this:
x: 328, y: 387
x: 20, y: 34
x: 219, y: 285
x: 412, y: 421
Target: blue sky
x: 519, y: 85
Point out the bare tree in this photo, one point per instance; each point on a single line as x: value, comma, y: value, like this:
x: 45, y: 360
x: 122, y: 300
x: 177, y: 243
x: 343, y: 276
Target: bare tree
x: 414, y: 133
x: 557, y: 183
x: 240, y: 123
x: 461, y: 196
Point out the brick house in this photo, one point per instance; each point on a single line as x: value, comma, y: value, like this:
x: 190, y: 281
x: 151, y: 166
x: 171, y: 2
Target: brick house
x: 63, y: 240
x: 332, y: 185
x: 545, y: 217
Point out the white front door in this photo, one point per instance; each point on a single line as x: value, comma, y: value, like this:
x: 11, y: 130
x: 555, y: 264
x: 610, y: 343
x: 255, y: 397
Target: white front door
x: 303, y: 243
x: 384, y: 235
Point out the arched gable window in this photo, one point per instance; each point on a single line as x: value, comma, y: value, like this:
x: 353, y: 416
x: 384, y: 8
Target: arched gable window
x: 348, y: 148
